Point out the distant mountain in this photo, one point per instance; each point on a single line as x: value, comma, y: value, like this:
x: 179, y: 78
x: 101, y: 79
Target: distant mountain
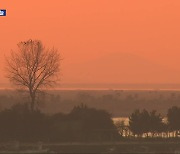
x: 119, y: 68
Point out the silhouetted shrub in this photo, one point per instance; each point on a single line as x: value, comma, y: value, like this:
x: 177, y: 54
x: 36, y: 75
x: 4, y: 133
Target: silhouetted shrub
x: 173, y: 118
x: 84, y: 124
x: 18, y: 123
x: 141, y: 122
x: 81, y: 124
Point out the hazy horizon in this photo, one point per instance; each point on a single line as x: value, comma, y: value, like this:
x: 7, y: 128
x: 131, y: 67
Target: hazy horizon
x: 107, y: 86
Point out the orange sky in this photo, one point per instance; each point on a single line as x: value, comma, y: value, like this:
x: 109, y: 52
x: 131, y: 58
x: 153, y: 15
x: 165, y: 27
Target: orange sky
x: 101, y: 41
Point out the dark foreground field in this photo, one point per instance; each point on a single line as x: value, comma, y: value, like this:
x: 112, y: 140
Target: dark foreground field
x: 103, y: 148
x: 131, y: 147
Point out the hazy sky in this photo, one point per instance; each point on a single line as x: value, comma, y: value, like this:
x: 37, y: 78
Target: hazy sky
x: 101, y: 41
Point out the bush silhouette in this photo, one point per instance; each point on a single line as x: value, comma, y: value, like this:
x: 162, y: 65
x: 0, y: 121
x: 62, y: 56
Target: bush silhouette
x: 144, y: 122
x: 81, y: 124
x: 173, y: 119
x: 85, y: 124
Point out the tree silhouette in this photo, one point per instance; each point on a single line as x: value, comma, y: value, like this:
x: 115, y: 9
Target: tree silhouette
x: 155, y: 123
x: 173, y: 119
x: 33, y: 67
x: 135, y: 123
x: 141, y: 122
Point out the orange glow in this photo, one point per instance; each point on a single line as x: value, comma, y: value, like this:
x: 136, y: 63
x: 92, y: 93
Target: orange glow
x: 101, y: 41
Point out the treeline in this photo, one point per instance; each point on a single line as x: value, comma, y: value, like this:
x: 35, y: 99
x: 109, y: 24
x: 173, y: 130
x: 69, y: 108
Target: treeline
x: 118, y: 102
x: 81, y: 124
x: 152, y: 124
x: 84, y: 124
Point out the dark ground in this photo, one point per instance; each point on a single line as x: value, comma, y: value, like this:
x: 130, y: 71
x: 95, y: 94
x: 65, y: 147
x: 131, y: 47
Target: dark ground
x: 162, y: 147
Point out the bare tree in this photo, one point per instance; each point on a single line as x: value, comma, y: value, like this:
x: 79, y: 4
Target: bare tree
x: 33, y: 67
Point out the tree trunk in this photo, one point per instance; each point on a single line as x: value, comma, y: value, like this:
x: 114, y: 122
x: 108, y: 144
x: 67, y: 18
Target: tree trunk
x: 32, y: 103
